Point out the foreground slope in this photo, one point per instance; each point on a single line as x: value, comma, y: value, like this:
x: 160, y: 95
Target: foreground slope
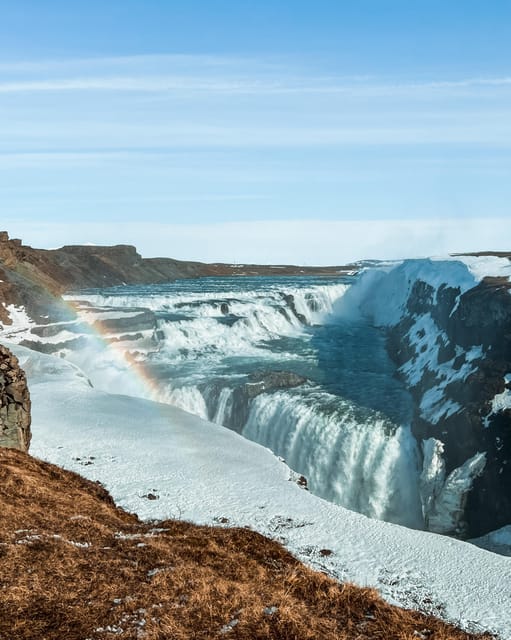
x: 75, y: 566
x: 160, y: 462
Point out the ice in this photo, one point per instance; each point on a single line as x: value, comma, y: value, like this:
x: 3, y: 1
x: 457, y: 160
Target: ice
x: 501, y: 401
x: 203, y: 471
x: 487, y: 266
x: 498, y: 541
x: 443, y: 500
x: 381, y: 293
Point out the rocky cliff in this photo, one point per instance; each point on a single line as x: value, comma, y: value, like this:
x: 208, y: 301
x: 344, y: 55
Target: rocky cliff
x: 462, y: 387
x: 14, y: 403
x: 448, y: 325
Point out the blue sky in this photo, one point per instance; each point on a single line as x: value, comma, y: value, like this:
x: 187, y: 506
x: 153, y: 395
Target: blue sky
x: 257, y: 131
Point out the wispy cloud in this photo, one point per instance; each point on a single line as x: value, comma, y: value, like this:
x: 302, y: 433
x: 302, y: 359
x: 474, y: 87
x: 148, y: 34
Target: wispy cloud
x: 186, y: 134
x: 254, y: 86
x: 216, y: 74
x: 138, y: 84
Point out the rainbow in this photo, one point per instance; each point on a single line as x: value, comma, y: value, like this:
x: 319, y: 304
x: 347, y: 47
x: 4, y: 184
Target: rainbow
x: 136, y: 370
x: 136, y: 375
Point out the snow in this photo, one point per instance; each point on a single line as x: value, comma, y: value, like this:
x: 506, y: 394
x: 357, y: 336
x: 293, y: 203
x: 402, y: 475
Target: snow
x: 59, y: 338
x: 501, y: 401
x: 21, y: 322
x: 205, y: 473
x: 426, y: 338
x: 486, y: 266
x: 381, y: 292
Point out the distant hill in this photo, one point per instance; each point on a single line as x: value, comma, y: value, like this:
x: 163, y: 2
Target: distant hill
x: 35, y: 278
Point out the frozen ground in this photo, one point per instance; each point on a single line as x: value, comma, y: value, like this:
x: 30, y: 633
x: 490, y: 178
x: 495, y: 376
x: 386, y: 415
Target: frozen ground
x: 160, y: 462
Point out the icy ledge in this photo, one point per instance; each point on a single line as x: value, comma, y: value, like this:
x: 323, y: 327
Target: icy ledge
x: 160, y: 462
x: 443, y: 499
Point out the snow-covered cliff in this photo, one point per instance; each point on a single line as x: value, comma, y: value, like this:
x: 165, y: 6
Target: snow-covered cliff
x: 449, y: 330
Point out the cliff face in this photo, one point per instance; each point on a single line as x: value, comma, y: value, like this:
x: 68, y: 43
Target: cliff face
x: 453, y: 349
x: 14, y: 403
x: 29, y: 280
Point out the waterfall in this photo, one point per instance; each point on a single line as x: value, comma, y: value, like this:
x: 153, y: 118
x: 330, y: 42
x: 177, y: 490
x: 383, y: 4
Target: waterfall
x: 214, y: 335
x: 351, y: 456
x: 224, y: 406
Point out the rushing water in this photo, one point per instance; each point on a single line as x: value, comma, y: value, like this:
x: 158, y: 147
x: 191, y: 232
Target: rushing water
x: 271, y: 359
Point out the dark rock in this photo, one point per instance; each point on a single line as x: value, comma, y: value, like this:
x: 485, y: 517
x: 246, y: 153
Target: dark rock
x: 75, y: 344
x: 290, y: 302
x: 421, y: 297
x: 302, y: 482
x: 52, y: 330
x: 144, y: 320
x: 14, y: 403
x: 446, y: 352
x: 261, y: 382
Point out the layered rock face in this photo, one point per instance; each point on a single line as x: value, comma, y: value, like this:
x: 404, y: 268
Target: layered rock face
x: 453, y: 349
x: 14, y: 403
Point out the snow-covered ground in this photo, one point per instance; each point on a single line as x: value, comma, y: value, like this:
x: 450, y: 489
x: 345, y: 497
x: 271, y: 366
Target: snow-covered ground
x: 382, y: 292
x: 202, y: 472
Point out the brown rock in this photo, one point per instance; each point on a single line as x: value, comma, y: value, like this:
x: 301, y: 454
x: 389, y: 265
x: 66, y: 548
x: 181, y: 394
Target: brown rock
x: 14, y: 403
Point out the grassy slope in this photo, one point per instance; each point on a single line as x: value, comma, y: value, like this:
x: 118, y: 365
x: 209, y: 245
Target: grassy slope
x: 74, y: 566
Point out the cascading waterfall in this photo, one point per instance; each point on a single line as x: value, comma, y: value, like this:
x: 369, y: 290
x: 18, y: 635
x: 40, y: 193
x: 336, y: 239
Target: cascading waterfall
x: 351, y: 456
x: 188, y: 398
x: 224, y: 406
x: 214, y: 336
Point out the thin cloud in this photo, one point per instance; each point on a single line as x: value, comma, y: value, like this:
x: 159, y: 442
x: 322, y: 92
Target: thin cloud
x: 214, y: 74
x: 188, y: 134
x: 167, y: 84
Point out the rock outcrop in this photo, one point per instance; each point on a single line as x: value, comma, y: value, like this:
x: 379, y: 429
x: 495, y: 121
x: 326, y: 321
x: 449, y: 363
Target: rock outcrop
x: 14, y: 403
x: 237, y: 401
x: 453, y: 350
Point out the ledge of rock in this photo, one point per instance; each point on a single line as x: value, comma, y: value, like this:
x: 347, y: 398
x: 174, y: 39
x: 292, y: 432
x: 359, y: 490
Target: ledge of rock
x: 14, y: 403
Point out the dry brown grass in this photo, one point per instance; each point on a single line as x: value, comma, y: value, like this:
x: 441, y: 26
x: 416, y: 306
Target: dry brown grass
x: 74, y: 566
